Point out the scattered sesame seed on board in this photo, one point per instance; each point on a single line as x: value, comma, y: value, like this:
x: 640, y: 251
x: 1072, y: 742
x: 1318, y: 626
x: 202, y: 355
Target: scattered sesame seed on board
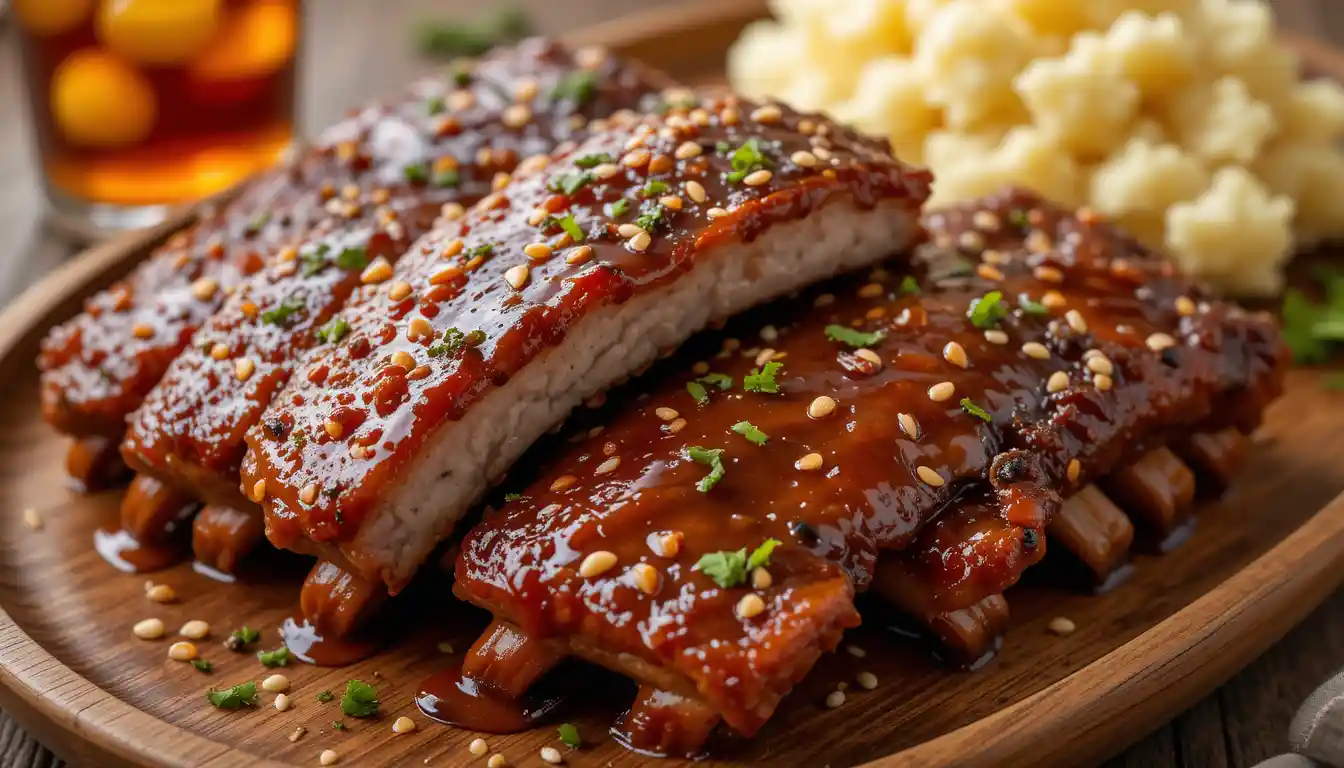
x: 478, y: 747
x: 835, y: 699
x: 32, y: 519
x: 1061, y: 626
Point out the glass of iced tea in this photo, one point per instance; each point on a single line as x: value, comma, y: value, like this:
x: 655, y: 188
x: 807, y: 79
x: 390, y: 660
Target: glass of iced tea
x: 141, y: 105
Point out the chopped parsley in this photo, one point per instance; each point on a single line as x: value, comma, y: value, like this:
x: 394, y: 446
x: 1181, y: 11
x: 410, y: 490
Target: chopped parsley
x: 257, y: 223
x: 730, y: 569
x: 648, y: 220
x: 974, y: 410
x: 569, y: 183
x: 246, y: 635
x: 712, y: 457
x: 569, y: 735
x: 1018, y: 218
x: 571, y: 227
x: 434, y: 105
x: 452, y: 341
x: 474, y: 338
x: 721, y: 380
x: 449, y: 39
x: 763, y: 379
x: 988, y: 310
x: 282, y: 314
x: 360, y: 699
x: 653, y: 188
x: 1032, y: 307
x: 461, y: 77
x: 909, y: 285
x: 447, y: 177
x: 416, y: 173
x: 352, y: 257
x: 277, y: 658
x: 324, y: 697
x: 698, y: 391
x: 747, y: 158
x: 751, y: 432
x: 1306, y: 328
x: 314, y: 260
x: 853, y: 338
x: 577, y: 86
x: 338, y: 725
x: 514, y: 497
x: 334, y: 330
x: 592, y: 161
x: 202, y: 664
x: 618, y: 208
x: 237, y: 697
x: 481, y: 251
x: 299, y: 439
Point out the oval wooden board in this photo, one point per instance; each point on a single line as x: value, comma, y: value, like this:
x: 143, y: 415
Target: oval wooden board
x: 72, y: 673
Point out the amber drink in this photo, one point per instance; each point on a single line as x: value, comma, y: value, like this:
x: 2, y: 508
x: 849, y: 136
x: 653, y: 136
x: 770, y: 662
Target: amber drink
x: 140, y: 105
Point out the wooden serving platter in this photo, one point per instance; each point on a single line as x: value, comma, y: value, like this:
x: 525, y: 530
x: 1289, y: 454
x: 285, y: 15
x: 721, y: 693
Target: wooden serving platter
x: 71, y: 671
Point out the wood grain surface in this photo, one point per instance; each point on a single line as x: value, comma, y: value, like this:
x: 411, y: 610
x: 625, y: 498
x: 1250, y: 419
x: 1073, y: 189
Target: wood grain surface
x: 358, y: 49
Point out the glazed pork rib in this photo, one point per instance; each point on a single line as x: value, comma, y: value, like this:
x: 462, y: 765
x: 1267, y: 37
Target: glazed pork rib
x: 446, y: 144
x: 576, y: 274
x: 842, y: 428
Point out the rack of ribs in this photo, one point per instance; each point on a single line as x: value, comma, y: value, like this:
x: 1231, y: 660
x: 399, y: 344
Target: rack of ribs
x: 912, y: 435
x: 448, y: 143
x: 576, y: 274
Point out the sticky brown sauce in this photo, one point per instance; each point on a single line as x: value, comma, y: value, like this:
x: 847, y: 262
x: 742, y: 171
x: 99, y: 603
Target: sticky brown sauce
x: 328, y: 650
x: 120, y: 549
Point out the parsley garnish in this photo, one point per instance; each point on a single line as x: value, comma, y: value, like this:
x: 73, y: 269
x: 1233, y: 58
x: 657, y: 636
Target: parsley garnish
x: 246, y: 635
x: 360, y: 699
x: 910, y: 285
x: 452, y: 341
x: 281, y: 315
x: 618, y: 208
x: 569, y: 735
x: 746, y: 159
x: 202, y: 664
x: 416, y: 173
x: 324, y: 697
x: 729, y: 569
x: 571, y: 227
x: 1032, y: 307
x: 277, y: 658
x: 448, y: 177
x: 461, y: 77
x: 714, y: 458
x: 652, y: 188
x: 974, y: 410
x: 697, y: 391
x: 513, y: 497
x: 721, y: 380
x: 482, y: 251
x: 352, y: 257
x: 314, y: 260
x: 434, y: 105
x: 648, y: 220
x: 1301, y: 320
x: 751, y: 432
x: 334, y: 330
x: 988, y: 310
x: 447, y: 40
x: 237, y: 697
x: 1017, y: 218
x: 763, y: 379
x: 592, y: 161
x: 338, y: 725
x: 854, y: 338
x: 257, y: 223
x: 569, y: 183
x: 577, y: 86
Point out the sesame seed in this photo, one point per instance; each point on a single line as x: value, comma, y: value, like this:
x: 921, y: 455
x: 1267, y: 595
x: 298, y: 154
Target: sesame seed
x: 670, y: 202
x: 908, y: 425
x: 607, y: 466
x: 835, y: 699
x: 282, y: 702
x: 1036, y: 350
x: 866, y: 680
x: 1048, y: 274
x: 453, y: 248
x: 195, y: 630
x: 516, y: 116
x: 1076, y: 321
x: 579, y: 255
x: 955, y: 354
x: 1075, y: 469
x: 403, y: 359
x: 1185, y: 306
x: 646, y: 577
x: 275, y: 684
x: 32, y: 519
x: 1058, y: 382
x: 989, y: 272
x: 661, y: 164
x: 334, y: 427
x: 942, y: 391
x: 496, y: 761
x: 628, y: 230
x: 821, y: 407
x: 1053, y: 299
x: 804, y: 159
x: 452, y: 211
x: 148, y: 629
x: 297, y: 734
x: 676, y: 426
x: 597, y: 563
x: 1160, y: 341
x: 808, y: 463
x: 243, y: 368
x: 259, y: 490
x: 929, y: 476
x: 985, y: 220
x: 996, y: 336
x: 419, y: 328
x: 715, y: 213
x: 516, y: 276
x: 765, y: 356
x: 665, y: 413
x: 687, y: 150
x: 308, y: 494
x: 1061, y: 626
x: 855, y: 651
x: 562, y: 482
x: 204, y: 288
x: 142, y: 331
x: 1100, y: 364
x: 870, y: 291
x: 160, y: 593
x: 767, y: 114
x: 636, y: 159
x: 551, y: 755
x: 757, y: 178
x: 182, y: 651
x: 869, y: 356
x: 478, y: 747
x: 377, y: 272
x: 403, y: 724
x: 639, y: 242
x: 750, y: 606
x: 499, y: 181
x: 606, y: 170
x: 329, y: 757
x: 399, y: 290
x: 537, y: 251
x: 695, y: 191
x: 219, y: 351
x: 761, y: 578
x: 1102, y: 382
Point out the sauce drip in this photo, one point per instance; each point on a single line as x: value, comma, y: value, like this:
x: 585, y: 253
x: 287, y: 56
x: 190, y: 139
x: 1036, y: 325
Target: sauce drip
x: 327, y: 650
x: 120, y: 549
x: 455, y: 699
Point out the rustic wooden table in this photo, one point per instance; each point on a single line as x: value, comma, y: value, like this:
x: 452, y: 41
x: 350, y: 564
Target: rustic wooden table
x: 358, y: 49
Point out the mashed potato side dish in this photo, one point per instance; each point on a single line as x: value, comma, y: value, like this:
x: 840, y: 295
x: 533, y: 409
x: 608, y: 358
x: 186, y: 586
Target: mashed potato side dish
x: 1185, y: 120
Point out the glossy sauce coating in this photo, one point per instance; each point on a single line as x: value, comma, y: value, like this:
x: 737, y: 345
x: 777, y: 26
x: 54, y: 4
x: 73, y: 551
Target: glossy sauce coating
x: 648, y: 196
x: 887, y: 450
x: 448, y: 142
